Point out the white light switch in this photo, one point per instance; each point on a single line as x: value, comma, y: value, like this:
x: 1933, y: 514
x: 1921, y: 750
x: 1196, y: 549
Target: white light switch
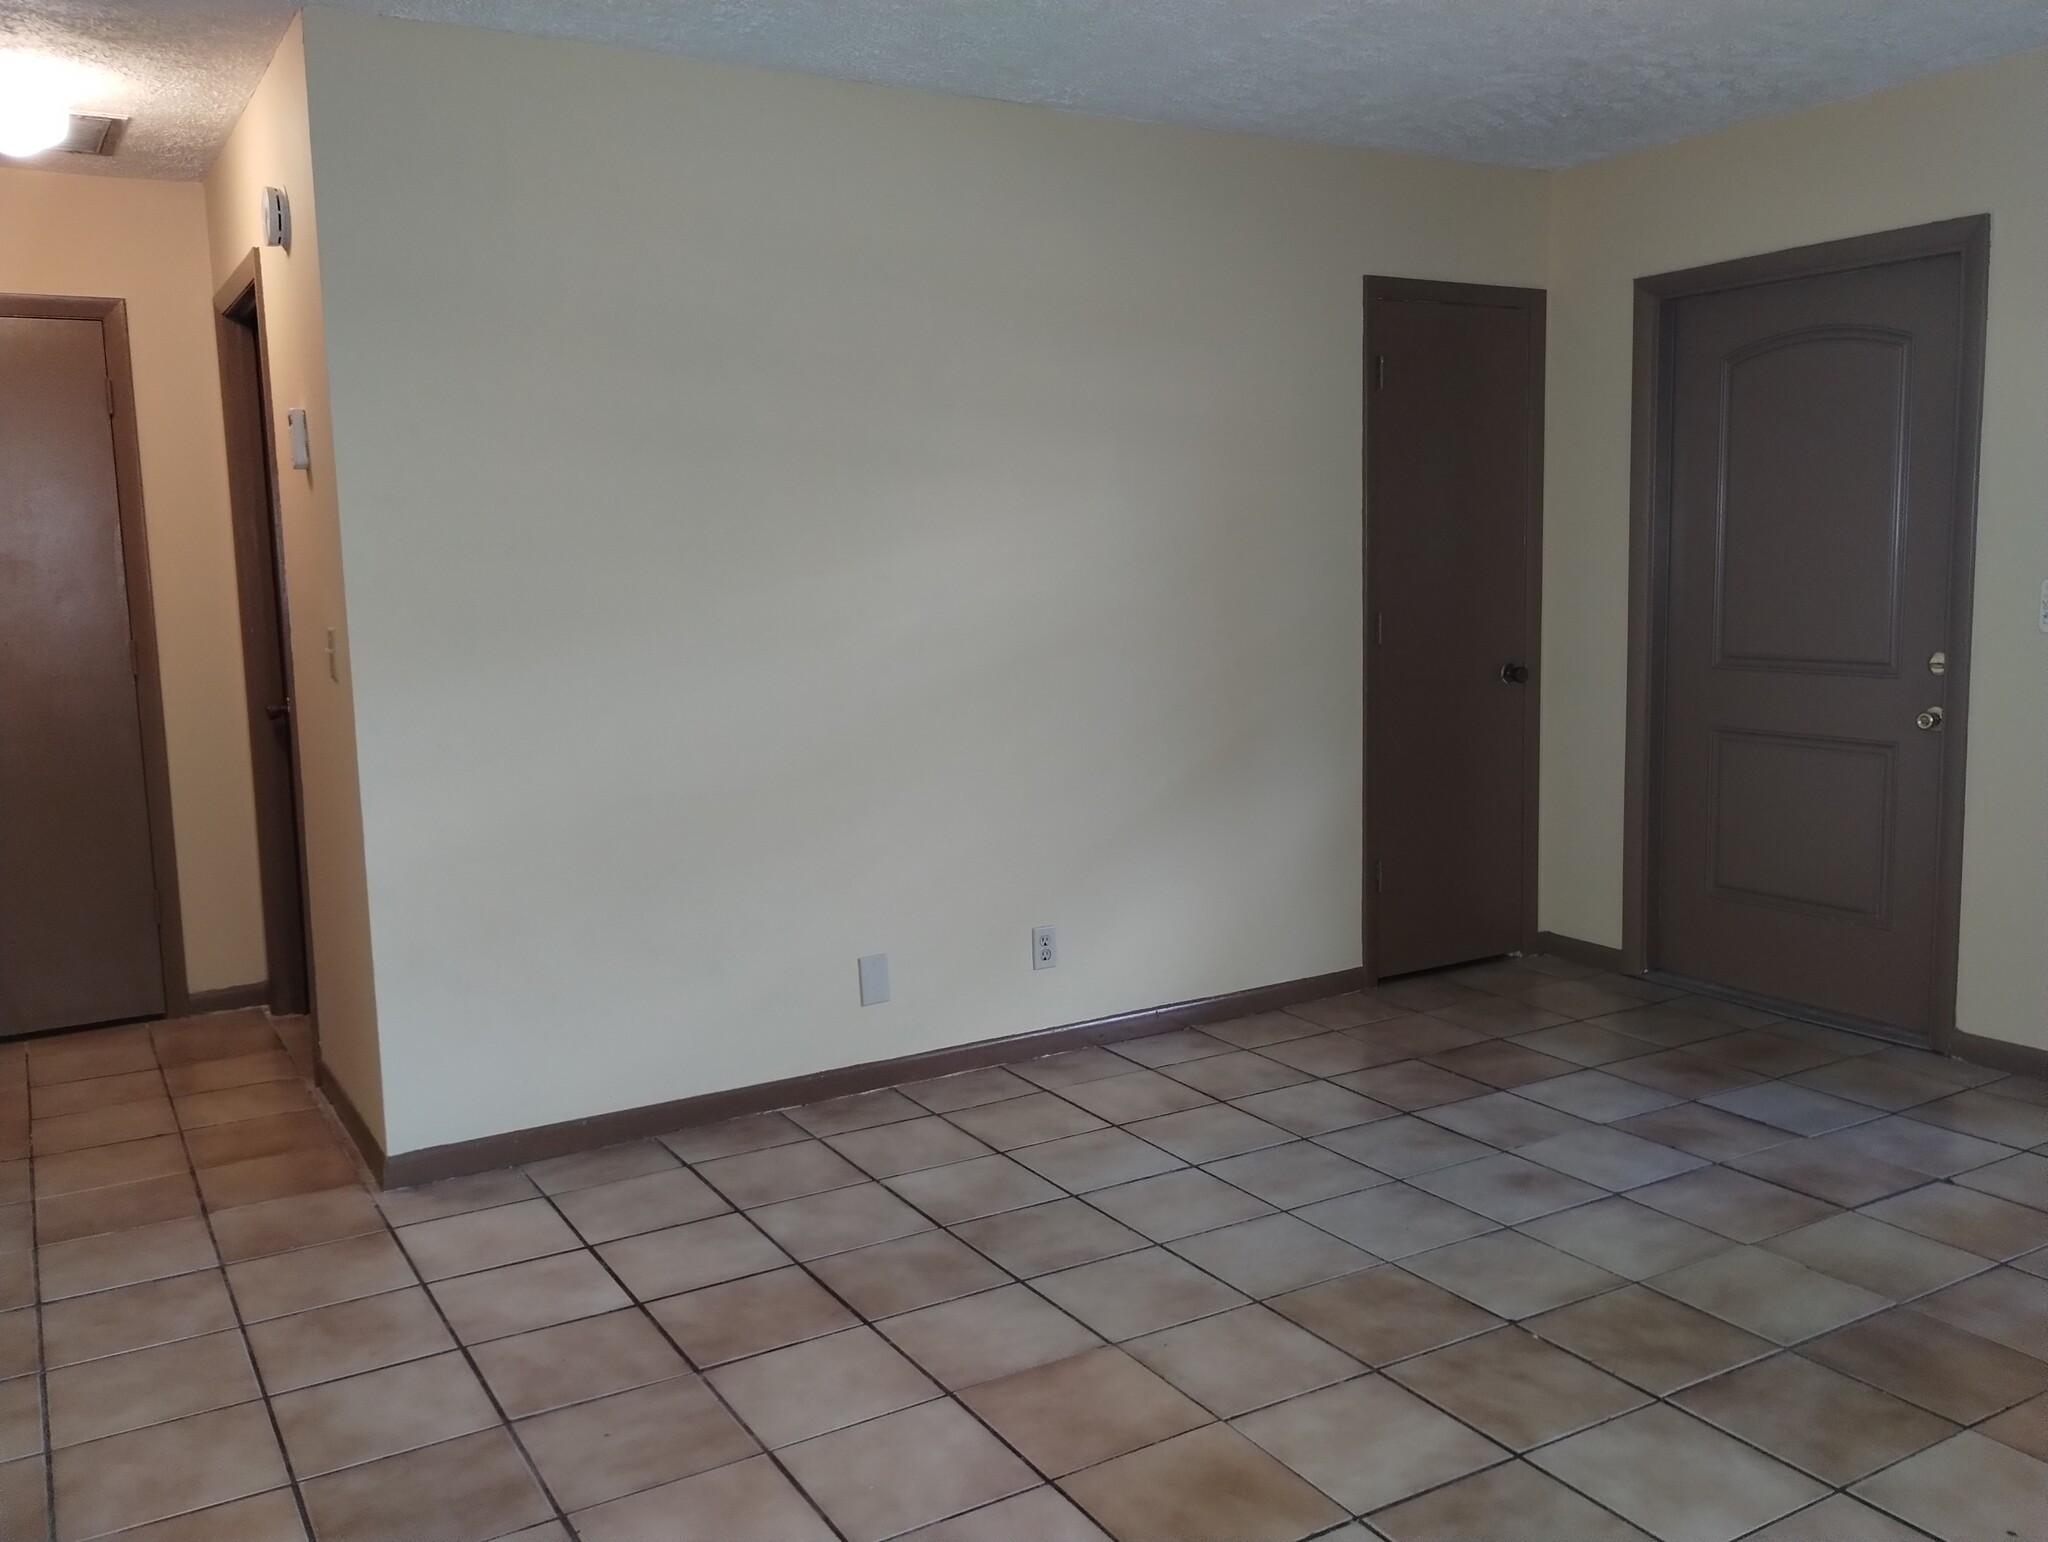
x: 301, y: 437
x: 874, y: 979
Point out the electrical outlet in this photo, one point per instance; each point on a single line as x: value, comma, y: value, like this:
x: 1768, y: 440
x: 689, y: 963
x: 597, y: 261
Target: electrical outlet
x: 1045, y: 947
x: 874, y: 979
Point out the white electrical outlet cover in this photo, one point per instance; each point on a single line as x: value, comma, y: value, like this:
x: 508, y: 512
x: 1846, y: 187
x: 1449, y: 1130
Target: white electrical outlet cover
x: 874, y: 979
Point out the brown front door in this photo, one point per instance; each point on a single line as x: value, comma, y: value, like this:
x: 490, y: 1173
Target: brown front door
x: 1454, y: 381
x: 79, y: 939
x: 1809, y: 643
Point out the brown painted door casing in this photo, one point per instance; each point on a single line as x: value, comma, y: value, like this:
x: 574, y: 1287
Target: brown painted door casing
x: 79, y: 924
x: 1453, y: 445
x: 1814, y: 438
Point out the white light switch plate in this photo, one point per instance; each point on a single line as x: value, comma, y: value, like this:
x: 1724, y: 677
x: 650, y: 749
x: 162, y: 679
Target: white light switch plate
x: 874, y: 979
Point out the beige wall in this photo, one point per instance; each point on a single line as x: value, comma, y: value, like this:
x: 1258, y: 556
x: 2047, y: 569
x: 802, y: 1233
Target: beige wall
x: 787, y: 520
x: 269, y: 148
x: 1966, y: 143
x: 145, y: 243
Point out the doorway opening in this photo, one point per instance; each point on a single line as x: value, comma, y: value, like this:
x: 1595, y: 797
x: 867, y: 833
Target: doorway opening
x: 1453, y: 597
x: 1801, y: 567
x: 266, y: 648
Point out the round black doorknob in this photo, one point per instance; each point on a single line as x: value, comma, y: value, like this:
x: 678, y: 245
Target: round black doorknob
x: 1514, y: 674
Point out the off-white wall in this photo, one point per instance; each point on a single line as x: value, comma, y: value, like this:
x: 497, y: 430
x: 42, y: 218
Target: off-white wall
x: 1971, y: 142
x: 787, y: 520
x: 145, y: 243
x: 269, y: 148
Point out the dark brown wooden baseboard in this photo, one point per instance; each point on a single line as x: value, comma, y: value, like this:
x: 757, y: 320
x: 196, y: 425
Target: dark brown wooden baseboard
x: 1999, y: 1054
x: 405, y: 1168
x: 352, y: 1123
x: 228, y: 998
x: 1592, y: 954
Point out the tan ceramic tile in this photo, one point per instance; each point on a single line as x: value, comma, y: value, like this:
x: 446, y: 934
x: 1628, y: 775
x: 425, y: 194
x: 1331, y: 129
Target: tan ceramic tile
x: 167, y: 1469
x: 1041, y: 1514
x: 125, y: 1258
x: 1410, y: 1038
x: 1626, y: 1238
x: 1838, y: 1518
x: 1668, y: 1024
x: 102, y: 1127
x: 485, y: 1239
x: 609, y: 1164
x: 750, y: 1132
x: 455, y: 1196
x: 1332, y: 1054
x: 20, y: 1354
x: 1510, y: 1500
x: 1025, y: 1121
x: 1866, y: 1252
x: 271, y: 1517
x: 1369, y: 1443
x: 355, y: 1336
x: 1705, y: 1132
x: 1240, y: 1073
x: 1677, y: 1477
x: 1503, y: 1120
x: 776, y: 1173
x: 1831, y: 1173
x: 1925, y: 1148
x: 1272, y: 1255
x: 2022, y: 1179
x: 792, y: 1394
x: 595, y: 1452
x: 1515, y: 1388
x: 1261, y: 1029
x: 2005, y: 1306
x: 753, y: 1315
x: 1653, y: 1341
x: 1983, y: 1224
x: 1506, y: 1188
x: 1173, y: 1047
x: 518, y: 1298
x: 861, y: 1111
x: 940, y: 1462
x: 122, y: 1207
x: 1383, y: 1315
x: 1511, y: 1275
x: 609, y: 1211
x: 1314, y: 1108
x: 1990, y: 1116
x: 255, y: 1101
x: 978, y: 1338
x: 667, y: 1263
x: 1595, y: 1095
x: 1404, y: 1146
x: 1799, y: 1110
x: 1767, y: 1053
x: 302, y: 1220
x: 1209, y: 1134
x: 576, y: 1361
x: 1354, y: 1009
x: 466, y: 1490
x: 1965, y: 1488
x: 1932, y: 1363
x: 1082, y: 1410
x: 964, y: 1191
x: 81, y: 1097
x: 1178, y: 1204
x: 888, y: 1150
x: 1735, y: 1205
x: 149, y: 1386
x: 1060, y: 1235
x: 273, y: 1177
x: 218, y: 1145
x: 1242, y: 1360
x: 746, y: 1501
x: 318, y: 1276
x: 81, y: 1057
x: 272, y: 1065
x: 21, y: 1418
x: 1583, y: 1044
x: 1123, y: 1297
x: 911, y: 1272
x: 17, y: 1228
x: 1816, y: 1419
x: 1096, y: 1160
x: 401, y: 1408
x: 839, y: 1221
x: 1769, y: 1295
x: 1298, y: 1173
x: 1872, y: 1080
x: 1411, y: 1084
x: 968, y: 1089
x: 1684, y: 1074
x: 1394, y: 1220
x: 214, y: 1036
x: 2024, y: 1428
x: 1138, y: 1095
x: 1209, y: 1485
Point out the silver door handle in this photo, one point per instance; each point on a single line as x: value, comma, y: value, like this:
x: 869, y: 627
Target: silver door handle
x: 1929, y: 720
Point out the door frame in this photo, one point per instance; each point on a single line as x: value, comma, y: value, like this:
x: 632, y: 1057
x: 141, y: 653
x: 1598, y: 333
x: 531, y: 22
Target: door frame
x: 1649, y: 544
x: 112, y: 315
x: 243, y: 295
x: 1534, y: 304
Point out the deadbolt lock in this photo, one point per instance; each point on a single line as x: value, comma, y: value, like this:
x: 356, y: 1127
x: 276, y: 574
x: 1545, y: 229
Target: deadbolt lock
x: 1929, y: 720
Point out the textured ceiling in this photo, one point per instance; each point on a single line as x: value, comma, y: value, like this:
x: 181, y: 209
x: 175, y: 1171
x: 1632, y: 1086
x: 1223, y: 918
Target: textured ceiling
x: 1519, y: 82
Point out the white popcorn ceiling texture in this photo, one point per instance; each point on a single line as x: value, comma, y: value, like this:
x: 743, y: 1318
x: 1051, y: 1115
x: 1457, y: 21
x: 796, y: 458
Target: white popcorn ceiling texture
x: 1515, y: 82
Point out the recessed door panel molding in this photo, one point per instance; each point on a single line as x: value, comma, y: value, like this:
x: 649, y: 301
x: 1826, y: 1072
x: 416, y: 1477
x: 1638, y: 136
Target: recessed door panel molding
x: 1806, y: 438
x: 1453, y: 476
x: 1806, y: 507
x: 1802, y: 823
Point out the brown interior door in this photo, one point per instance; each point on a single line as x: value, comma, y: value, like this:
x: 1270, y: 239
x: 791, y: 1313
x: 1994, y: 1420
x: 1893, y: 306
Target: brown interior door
x: 265, y: 656
x: 1453, y: 467
x: 1813, y: 485
x: 79, y: 938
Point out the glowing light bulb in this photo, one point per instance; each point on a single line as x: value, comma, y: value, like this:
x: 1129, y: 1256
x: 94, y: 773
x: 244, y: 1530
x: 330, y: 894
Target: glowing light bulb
x: 29, y: 125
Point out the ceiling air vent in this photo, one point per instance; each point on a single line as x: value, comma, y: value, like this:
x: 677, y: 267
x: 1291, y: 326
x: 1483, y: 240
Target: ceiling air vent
x: 93, y: 135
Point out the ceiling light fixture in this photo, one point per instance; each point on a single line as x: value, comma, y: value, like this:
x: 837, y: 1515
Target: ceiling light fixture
x: 35, y: 106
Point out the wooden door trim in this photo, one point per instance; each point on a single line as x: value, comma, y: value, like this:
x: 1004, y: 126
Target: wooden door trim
x: 112, y: 315
x: 1533, y: 303
x: 1968, y: 238
x: 241, y: 294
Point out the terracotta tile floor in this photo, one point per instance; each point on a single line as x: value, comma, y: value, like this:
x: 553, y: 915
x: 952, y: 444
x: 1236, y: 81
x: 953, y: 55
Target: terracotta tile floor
x: 1510, y: 1254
